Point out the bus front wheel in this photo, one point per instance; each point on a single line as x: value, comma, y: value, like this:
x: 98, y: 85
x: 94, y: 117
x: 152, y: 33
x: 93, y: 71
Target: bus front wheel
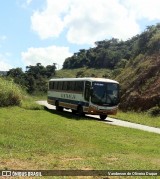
x: 103, y: 116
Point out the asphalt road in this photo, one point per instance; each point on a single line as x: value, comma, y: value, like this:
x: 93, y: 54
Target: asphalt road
x: 113, y: 121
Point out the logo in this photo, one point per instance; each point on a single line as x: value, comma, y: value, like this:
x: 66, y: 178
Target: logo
x: 6, y: 173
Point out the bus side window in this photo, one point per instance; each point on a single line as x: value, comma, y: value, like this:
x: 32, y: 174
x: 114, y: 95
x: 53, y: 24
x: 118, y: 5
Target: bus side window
x: 50, y: 85
x: 68, y: 85
x: 60, y: 85
x: 53, y: 85
x: 87, y: 90
x: 65, y: 85
x: 72, y: 85
x: 56, y: 85
x: 76, y: 86
x: 79, y: 85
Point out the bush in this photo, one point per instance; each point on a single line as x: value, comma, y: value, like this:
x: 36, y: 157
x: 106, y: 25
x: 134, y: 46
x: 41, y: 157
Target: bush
x: 10, y: 93
x: 155, y: 111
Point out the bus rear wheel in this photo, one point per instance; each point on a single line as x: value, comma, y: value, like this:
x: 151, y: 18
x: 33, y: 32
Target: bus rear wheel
x: 58, y: 108
x: 74, y: 111
x: 103, y: 116
x: 80, y: 111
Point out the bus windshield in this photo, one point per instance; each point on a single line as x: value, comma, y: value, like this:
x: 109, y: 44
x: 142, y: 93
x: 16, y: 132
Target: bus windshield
x: 105, y: 94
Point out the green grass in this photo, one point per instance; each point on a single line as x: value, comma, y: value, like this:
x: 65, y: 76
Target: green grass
x: 41, y: 139
x: 139, y: 118
x: 29, y: 102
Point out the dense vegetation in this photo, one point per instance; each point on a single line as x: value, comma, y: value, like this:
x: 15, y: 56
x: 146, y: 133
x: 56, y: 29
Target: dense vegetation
x: 10, y: 93
x: 34, y: 79
x: 115, y: 53
x: 16, y: 83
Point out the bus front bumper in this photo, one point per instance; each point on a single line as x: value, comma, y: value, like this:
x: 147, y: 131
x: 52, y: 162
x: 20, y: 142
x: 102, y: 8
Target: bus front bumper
x: 97, y: 111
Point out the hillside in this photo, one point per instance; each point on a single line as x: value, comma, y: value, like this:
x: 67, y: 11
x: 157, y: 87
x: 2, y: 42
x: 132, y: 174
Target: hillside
x: 140, y: 83
x: 135, y: 63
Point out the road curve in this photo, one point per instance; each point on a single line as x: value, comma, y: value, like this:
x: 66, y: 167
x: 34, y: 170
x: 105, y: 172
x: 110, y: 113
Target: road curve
x: 113, y: 121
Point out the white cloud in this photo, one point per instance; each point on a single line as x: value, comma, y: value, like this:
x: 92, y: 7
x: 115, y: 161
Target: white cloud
x: 49, y: 22
x: 87, y: 21
x: 29, y: 2
x: 99, y: 20
x: 140, y: 9
x: 46, y: 56
x: 3, y: 37
x: 4, y: 65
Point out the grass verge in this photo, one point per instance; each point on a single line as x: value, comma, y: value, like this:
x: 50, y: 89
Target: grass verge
x: 139, y: 118
x: 29, y: 103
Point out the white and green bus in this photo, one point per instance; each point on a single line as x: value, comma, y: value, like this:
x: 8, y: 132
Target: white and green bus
x: 97, y: 96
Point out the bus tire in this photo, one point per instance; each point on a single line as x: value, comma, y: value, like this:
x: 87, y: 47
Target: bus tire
x: 74, y: 111
x: 80, y: 111
x: 103, y: 116
x: 58, y: 108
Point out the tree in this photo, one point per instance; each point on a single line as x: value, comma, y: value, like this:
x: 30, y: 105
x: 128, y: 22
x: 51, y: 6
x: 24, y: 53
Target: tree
x: 18, y: 75
x: 35, y: 77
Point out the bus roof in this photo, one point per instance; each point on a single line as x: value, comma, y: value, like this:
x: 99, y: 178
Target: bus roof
x: 84, y: 79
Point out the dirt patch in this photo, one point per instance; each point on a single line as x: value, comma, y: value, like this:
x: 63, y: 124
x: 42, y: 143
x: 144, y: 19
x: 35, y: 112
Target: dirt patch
x: 71, y: 159
x: 17, y: 164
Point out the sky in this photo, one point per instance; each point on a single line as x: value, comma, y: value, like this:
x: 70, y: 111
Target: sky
x: 49, y: 31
